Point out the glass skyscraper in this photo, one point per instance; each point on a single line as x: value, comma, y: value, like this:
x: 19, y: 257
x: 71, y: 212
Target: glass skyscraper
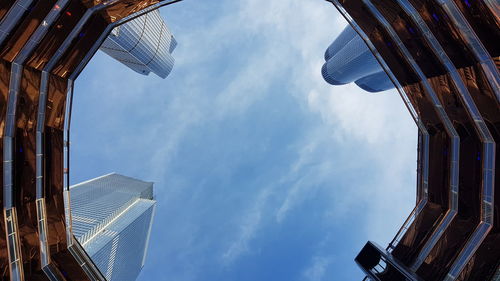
x: 348, y: 59
x: 112, y: 217
x: 144, y: 44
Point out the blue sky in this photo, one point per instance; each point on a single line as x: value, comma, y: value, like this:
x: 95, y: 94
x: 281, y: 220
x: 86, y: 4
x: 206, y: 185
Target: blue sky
x: 262, y: 171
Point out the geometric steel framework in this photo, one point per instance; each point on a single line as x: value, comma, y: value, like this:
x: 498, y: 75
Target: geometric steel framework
x: 44, y: 46
x: 444, y: 58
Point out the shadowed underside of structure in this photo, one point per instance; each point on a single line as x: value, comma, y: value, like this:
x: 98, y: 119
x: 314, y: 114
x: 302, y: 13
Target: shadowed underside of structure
x: 443, y: 57
x: 44, y: 45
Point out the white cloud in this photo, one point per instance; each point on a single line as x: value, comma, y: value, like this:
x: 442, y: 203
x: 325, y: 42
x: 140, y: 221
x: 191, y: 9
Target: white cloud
x: 247, y: 229
x: 316, y: 271
x: 354, y: 131
x: 350, y: 115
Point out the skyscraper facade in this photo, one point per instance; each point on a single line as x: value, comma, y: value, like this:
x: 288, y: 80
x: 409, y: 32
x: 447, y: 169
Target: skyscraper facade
x: 348, y: 59
x: 44, y: 46
x: 144, y: 44
x: 111, y: 218
x: 443, y: 57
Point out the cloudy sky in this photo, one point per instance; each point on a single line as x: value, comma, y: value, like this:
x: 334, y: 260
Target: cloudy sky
x: 262, y: 171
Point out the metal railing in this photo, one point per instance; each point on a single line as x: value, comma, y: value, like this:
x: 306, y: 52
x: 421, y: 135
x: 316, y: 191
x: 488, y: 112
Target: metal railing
x: 14, y: 85
x: 12, y: 17
x: 432, y: 97
x: 424, y: 176
x: 73, y: 245
x: 12, y: 233
x: 375, y: 262
x: 95, y: 274
x: 69, y: 97
x: 40, y: 200
x: 477, y: 120
x: 472, y: 41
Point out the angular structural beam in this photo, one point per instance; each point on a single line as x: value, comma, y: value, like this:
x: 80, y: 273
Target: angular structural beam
x: 12, y: 17
x: 480, y: 127
x: 85, y: 262
x: 15, y: 266
x: 52, y: 272
x: 452, y: 81
x: 474, y: 43
x: 423, y: 176
x: 75, y: 248
x: 41, y: 43
x: 452, y: 133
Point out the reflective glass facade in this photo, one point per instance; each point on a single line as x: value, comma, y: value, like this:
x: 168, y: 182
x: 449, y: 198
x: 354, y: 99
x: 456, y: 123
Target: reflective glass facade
x: 348, y: 59
x: 144, y: 44
x: 44, y: 46
x: 440, y: 56
x: 112, y: 217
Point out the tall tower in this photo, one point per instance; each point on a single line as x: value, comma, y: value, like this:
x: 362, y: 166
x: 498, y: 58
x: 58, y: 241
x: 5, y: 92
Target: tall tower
x: 348, y: 59
x: 112, y: 217
x: 144, y: 44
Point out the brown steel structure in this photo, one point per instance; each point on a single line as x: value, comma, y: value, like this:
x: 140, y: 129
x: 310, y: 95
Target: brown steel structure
x: 44, y: 45
x: 444, y: 58
x: 442, y: 55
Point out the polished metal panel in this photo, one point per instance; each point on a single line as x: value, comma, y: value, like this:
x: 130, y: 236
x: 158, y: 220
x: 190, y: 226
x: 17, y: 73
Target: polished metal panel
x: 466, y: 98
x: 423, y: 176
x: 12, y: 17
x: 89, y: 269
x: 481, y: 128
x: 473, y: 42
x: 40, y: 201
x: 17, y: 68
x: 455, y: 140
x: 37, y: 124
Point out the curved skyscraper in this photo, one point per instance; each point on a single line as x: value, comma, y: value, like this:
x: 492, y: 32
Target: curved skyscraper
x: 348, y: 59
x: 144, y: 44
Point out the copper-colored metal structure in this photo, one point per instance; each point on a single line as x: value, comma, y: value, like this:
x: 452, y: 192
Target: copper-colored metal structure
x: 44, y: 45
x: 442, y: 55
x: 444, y: 58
